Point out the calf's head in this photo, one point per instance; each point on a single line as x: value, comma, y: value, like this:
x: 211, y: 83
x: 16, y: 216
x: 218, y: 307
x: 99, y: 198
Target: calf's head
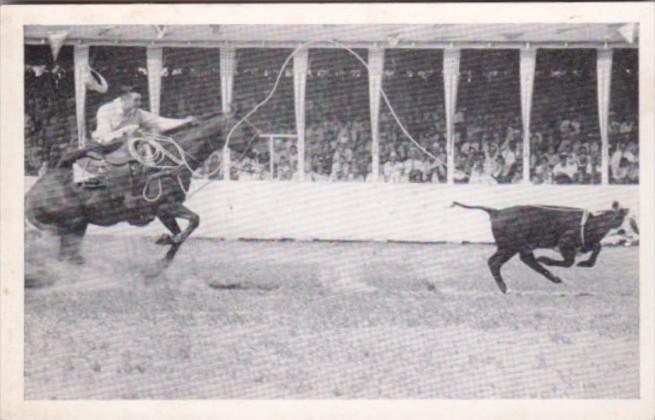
x: 616, y: 216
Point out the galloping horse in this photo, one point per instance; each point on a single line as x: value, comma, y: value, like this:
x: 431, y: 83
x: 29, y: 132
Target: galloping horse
x: 57, y: 204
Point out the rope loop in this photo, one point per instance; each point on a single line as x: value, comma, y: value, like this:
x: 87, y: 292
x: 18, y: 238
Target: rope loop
x: 150, y: 151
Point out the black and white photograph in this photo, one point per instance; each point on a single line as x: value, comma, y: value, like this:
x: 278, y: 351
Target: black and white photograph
x: 268, y: 211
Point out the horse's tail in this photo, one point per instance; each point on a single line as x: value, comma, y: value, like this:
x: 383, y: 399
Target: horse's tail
x: 31, y: 217
x: 487, y: 209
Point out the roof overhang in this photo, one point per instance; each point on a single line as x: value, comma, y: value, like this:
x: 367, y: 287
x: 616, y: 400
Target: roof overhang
x: 475, y: 36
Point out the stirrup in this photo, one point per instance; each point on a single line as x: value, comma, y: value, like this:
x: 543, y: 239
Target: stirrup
x: 91, y: 184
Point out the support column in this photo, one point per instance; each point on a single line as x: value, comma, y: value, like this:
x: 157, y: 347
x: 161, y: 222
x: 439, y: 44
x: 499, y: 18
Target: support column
x: 604, y: 79
x: 451, y: 79
x: 528, y: 62
x: 227, y: 68
x: 81, y: 63
x: 154, y: 62
x: 300, y: 66
x: 375, y: 73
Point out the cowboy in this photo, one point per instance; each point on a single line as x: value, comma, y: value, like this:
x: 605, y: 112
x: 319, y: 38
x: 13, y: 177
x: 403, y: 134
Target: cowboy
x: 118, y: 120
x: 123, y: 116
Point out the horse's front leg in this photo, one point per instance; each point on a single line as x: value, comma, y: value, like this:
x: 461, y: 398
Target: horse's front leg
x: 171, y: 225
x: 168, y: 219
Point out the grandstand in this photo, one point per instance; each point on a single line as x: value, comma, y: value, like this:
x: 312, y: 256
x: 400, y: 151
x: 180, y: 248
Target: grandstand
x: 463, y: 95
x: 299, y: 282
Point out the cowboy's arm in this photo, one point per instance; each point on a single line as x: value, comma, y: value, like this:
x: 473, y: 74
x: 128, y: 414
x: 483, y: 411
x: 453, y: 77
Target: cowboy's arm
x: 150, y: 120
x: 104, y: 133
x: 112, y: 136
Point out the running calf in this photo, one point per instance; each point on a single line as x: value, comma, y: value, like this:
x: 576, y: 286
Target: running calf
x: 522, y: 229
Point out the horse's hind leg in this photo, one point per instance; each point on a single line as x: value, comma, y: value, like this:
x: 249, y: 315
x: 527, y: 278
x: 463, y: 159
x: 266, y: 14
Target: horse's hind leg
x: 495, y: 262
x: 70, y: 242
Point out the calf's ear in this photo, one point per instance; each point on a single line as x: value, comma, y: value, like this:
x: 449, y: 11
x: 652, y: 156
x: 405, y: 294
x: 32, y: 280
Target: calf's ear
x: 615, y: 205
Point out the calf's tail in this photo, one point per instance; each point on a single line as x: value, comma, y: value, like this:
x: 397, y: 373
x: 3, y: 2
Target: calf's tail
x: 634, y: 225
x: 487, y: 209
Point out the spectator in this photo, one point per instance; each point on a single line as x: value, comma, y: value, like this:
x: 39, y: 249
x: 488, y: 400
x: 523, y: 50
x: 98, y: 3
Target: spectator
x: 566, y: 170
x: 633, y: 171
x: 622, y: 172
x: 478, y: 175
x: 415, y: 168
x: 615, y: 162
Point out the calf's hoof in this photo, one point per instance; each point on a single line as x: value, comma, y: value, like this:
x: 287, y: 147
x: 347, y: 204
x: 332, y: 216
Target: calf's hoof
x: 502, y: 286
x: 556, y: 280
x: 585, y: 264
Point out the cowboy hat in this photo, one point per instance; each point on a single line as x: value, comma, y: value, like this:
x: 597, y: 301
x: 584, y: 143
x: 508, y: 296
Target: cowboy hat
x: 95, y: 81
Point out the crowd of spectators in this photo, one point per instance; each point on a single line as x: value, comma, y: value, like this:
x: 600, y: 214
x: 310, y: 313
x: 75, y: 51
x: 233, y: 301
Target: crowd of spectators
x: 50, y: 124
x: 565, y: 146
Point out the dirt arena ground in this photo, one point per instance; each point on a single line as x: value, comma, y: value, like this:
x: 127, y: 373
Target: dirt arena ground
x: 325, y: 320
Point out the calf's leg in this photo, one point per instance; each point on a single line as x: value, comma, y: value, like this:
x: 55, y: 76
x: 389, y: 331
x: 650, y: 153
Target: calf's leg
x: 567, y: 253
x: 592, y: 258
x: 528, y: 258
x: 566, y: 247
x: 495, y: 262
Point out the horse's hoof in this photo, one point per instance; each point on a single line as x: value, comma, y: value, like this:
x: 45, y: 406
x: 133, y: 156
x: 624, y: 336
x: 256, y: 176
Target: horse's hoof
x: 77, y: 260
x: 164, y: 239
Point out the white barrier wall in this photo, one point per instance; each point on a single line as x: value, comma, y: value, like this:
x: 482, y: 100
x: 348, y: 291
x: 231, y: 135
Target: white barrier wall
x: 359, y: 211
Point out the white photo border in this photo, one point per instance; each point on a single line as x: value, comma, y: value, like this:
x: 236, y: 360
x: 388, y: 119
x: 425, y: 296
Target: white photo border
x: 13, y: 18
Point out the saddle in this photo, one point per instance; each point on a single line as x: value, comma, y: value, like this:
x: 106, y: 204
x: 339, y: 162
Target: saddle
x: 124, y: 179
x: 98, y: 163
x: 117, y: 172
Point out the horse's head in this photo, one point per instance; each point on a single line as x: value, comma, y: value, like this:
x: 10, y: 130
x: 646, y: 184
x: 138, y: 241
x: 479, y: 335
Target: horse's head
x: 242, y: 134
x: 208, y: 133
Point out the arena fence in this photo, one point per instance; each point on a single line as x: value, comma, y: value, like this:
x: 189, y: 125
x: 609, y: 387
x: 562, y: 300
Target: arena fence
x: 367, y: 212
